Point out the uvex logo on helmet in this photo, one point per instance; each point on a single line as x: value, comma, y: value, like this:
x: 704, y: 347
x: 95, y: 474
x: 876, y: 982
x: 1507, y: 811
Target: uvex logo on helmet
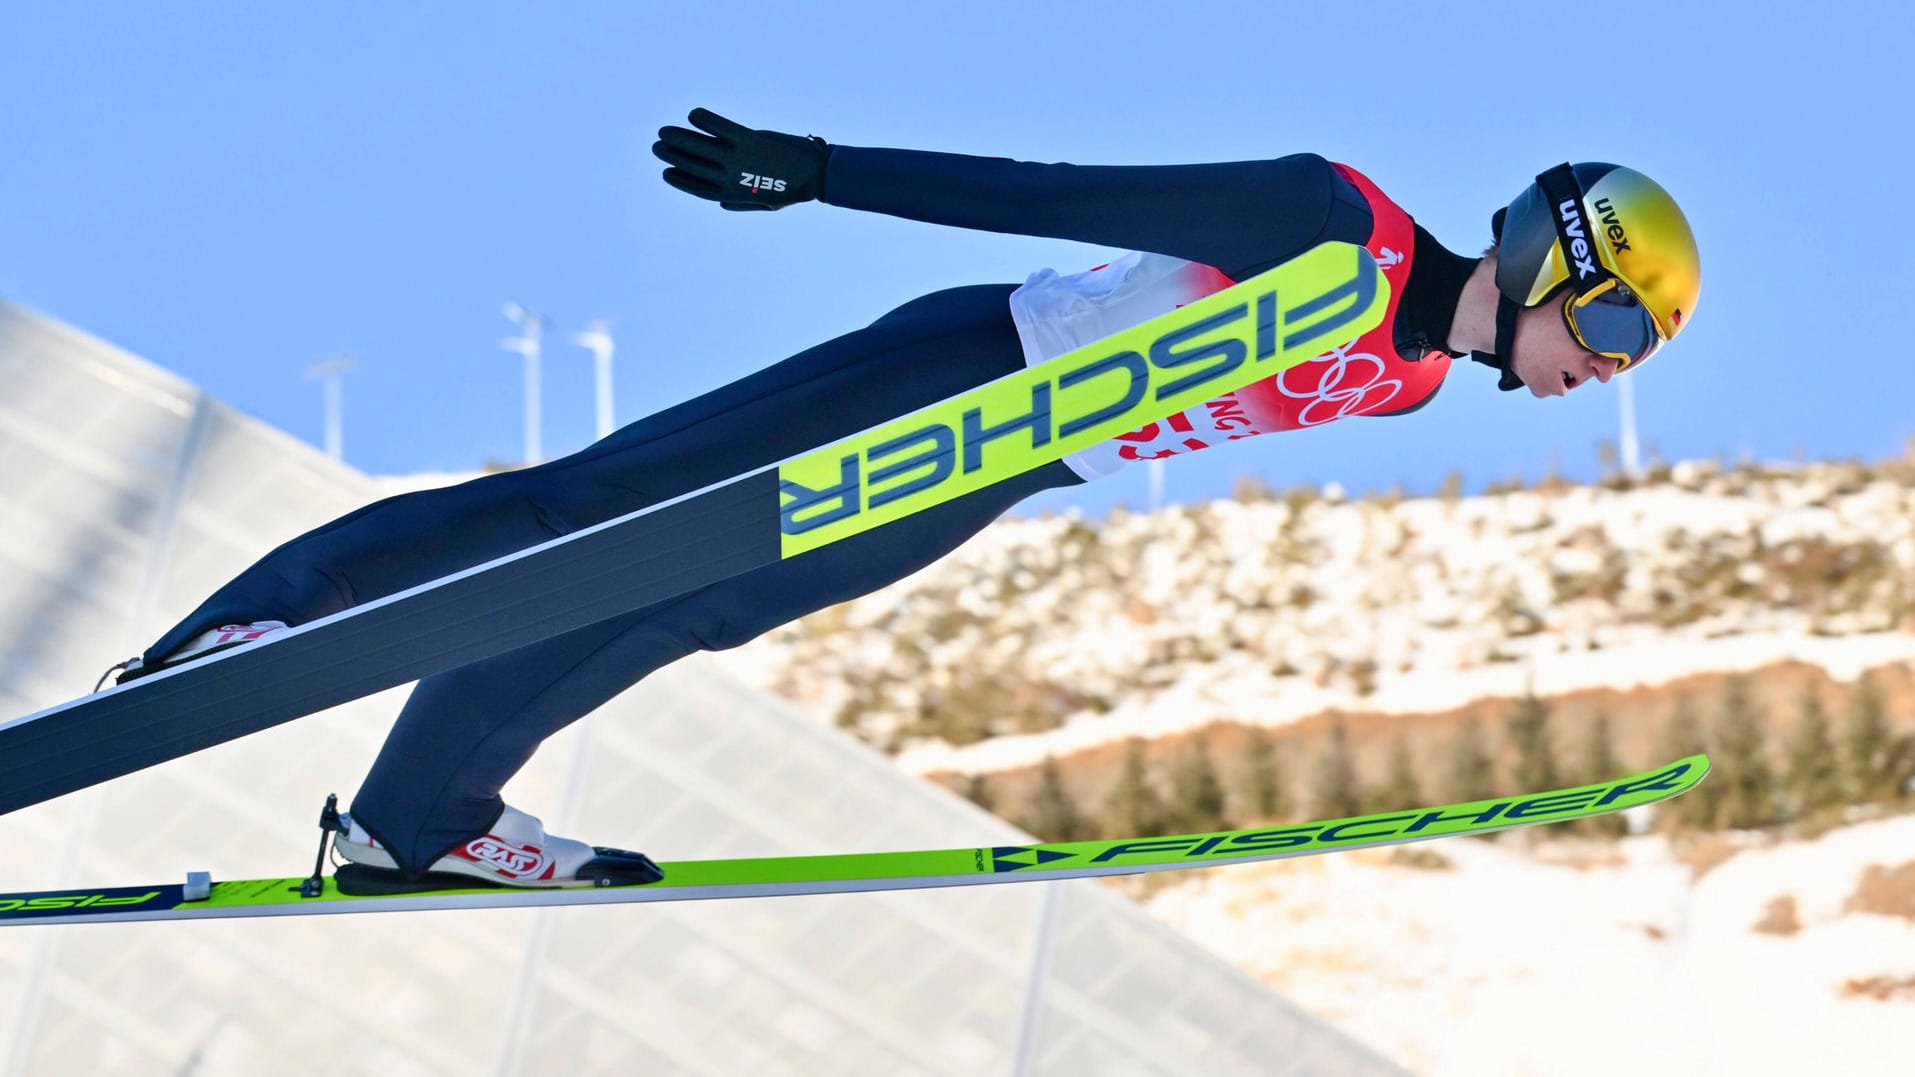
x: 1579, y: 250
x: 1612, y: 226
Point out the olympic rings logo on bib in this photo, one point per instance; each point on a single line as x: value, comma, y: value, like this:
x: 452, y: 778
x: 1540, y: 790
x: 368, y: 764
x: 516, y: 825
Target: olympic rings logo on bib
x: 1331, y: 391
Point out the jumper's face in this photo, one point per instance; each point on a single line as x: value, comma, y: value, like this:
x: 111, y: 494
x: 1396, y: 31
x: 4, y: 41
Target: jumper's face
x: 1548, y: 359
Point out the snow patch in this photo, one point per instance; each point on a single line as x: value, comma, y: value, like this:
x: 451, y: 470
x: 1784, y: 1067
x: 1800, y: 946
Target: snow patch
x: 1509, y: 964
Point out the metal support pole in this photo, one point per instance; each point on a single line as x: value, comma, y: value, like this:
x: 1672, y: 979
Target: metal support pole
x: 1626, y: 402
x: 328, y: 372
x: 538, y: 938
x: 598, y: 338
x: 531, y: 325
x: 1030, y: 1026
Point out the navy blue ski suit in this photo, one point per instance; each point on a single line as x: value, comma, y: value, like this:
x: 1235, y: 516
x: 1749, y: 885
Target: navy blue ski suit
x: 463, y: 734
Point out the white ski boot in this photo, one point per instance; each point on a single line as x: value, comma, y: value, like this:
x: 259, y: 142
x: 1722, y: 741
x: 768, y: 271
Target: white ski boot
x: 219, y: 639
x: 515, y: 852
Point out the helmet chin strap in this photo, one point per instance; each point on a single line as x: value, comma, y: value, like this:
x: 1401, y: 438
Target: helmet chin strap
x: 1506, y: 311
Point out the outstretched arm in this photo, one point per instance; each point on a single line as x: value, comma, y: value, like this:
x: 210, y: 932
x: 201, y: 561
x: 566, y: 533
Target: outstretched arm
x: 1241, y: 217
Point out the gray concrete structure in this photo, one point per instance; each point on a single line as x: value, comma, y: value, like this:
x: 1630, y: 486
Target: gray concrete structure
x: 126, y: 494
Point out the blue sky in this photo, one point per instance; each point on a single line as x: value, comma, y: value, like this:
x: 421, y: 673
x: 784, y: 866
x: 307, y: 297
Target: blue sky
x: 259, y: 187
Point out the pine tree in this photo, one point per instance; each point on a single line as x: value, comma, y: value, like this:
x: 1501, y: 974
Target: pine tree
x: 1880, y: 759
x: 1336, y: 792
x: 1597, y: 764
x: 1134, y: 808
x: 1682, y: 737
x: 1748, y: 783
x: 1900, y: 779
x: 1814, y: 771
x: 1197, y: 802
x: 1261, y: 780
x: 1528, y: 732
x: 1866, y: 747
x: 1470, y: 774
x: 1053, y: 816
x: 1400, y: 788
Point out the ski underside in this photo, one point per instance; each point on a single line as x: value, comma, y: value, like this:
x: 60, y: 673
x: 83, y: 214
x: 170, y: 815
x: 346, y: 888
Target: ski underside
x: 690, y: 880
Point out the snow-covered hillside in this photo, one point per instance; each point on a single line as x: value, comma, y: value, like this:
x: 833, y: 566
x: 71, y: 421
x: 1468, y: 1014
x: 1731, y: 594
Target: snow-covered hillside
x: 1044, y: 636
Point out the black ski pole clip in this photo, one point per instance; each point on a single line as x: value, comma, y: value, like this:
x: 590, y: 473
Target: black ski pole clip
x: 329, y: 825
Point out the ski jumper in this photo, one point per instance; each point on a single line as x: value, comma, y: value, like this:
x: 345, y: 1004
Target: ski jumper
x: 463, y: 734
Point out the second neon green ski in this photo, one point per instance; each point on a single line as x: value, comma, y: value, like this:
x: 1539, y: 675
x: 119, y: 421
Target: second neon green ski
x: 690, y: 880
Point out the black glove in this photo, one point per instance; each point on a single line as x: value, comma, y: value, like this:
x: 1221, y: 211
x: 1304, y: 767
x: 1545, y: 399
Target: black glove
x: 740, y: 168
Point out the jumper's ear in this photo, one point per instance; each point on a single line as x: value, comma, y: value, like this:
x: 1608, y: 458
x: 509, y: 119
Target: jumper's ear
x: 1496, y: 223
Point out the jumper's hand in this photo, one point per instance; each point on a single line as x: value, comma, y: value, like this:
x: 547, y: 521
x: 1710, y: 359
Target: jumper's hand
x: 740, y: 168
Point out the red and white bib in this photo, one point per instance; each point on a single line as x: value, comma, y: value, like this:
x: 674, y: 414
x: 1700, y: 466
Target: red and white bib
x: 1056, y: 314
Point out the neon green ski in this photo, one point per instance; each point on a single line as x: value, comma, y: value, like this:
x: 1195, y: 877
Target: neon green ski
x: 1253, y: 330
x: 692, y: 880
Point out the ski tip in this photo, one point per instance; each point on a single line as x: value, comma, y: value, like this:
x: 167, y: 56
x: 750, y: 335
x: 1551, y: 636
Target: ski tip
x: 1699, y: 764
